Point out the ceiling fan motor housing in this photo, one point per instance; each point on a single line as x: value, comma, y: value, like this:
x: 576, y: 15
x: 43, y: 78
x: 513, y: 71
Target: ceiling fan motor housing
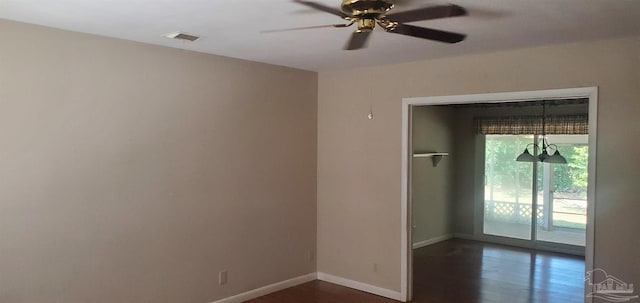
x: 366, y: 25
x: 366, y: 9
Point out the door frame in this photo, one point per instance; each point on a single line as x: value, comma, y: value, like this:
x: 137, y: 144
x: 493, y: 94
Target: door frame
x: 407, y: 103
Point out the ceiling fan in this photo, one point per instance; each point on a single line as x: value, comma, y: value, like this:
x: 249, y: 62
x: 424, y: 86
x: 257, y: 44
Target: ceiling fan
x: 367, y: 13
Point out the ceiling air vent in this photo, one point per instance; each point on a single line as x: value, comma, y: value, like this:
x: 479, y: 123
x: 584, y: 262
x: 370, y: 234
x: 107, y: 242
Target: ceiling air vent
x: 182, y: 36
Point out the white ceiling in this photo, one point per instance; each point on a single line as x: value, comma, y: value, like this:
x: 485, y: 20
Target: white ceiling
x: 232, y: 27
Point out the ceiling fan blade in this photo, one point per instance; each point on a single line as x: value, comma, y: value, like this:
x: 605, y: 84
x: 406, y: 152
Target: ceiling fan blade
x: 427, y: 33
x: 358, y: 40
x: 322, y: 7
x: 428, y: 13
x: 304, y: 28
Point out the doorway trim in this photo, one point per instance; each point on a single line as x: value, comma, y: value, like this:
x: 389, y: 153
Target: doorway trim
x: 407, y: 103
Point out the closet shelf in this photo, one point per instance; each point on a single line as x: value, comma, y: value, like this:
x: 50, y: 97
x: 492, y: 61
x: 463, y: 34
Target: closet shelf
x: 435, y: 157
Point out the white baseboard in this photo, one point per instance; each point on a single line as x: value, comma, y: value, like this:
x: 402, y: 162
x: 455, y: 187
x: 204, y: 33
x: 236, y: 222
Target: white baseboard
x: 262, y: 291
x: 259, y: 292
x: 361, y: 286
x: 432, y: 241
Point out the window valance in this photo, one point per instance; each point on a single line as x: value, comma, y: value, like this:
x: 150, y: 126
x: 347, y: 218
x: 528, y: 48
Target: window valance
x: 522, y: 125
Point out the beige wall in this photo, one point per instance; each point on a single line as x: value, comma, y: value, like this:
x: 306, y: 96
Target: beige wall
x: 359, y: 160
x: 134, y: 173
x: 468, y: 172
x: 432, y: 191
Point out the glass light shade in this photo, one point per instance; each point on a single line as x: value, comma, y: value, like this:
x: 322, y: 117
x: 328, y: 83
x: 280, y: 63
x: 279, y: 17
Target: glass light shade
x: 556, y: 158
x: 526, y: 156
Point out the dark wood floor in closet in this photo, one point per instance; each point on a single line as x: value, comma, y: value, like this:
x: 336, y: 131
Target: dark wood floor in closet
x: 466, y: 271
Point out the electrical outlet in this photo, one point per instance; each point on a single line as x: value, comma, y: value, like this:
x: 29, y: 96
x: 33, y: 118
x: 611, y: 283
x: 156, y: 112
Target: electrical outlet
x: 222, y: 277
x: 375, y: 267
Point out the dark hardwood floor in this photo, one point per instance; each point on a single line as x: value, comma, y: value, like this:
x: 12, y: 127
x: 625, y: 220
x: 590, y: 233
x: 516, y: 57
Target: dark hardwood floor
x: 466, y: 271
x: 321, y: 292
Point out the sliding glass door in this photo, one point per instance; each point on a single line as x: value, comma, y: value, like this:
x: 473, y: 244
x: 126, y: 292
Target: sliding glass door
x: 562, y: 193
x: 508, y: 187
x: 557, y: 211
